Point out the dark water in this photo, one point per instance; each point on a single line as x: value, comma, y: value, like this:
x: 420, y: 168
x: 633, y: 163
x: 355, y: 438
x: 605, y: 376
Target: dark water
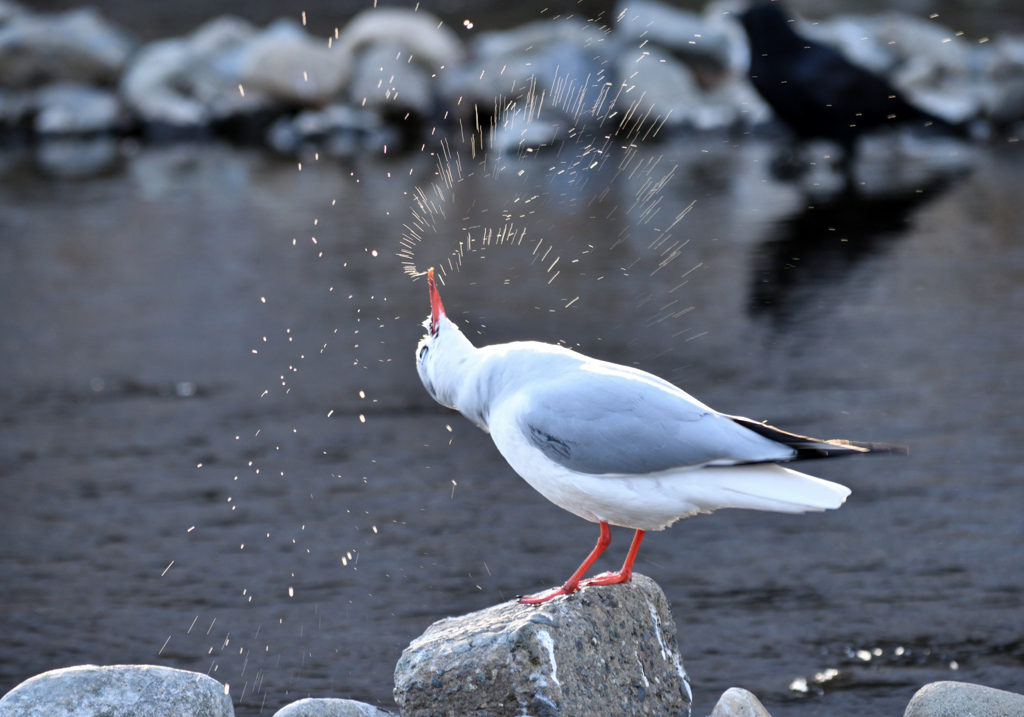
x: 154, y: 408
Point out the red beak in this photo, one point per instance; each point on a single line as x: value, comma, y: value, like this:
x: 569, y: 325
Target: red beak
x: 436, y: 308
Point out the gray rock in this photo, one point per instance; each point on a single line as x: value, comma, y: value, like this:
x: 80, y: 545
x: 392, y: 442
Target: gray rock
x: 693, y: 37
x: 602, y: 651
x: 75, y: 46
x: 118, y: 691
x: 70, y: 108
x: 385, y: 81
x: 421, y: 35
x: 498, y: 44
x: 152, y: 86
x: 344, y: 129
x: 658, y: 89
x: 187, y: 83
x: 330, y: 708
x: 958, y: 699
x: 289, y: 65
x: 738, y: 702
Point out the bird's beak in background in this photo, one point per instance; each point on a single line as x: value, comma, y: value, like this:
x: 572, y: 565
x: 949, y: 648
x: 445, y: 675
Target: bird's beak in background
x: 436, y: 308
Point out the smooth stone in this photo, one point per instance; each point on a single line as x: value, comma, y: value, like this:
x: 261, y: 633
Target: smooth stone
x: 421, y: 34
x: 182, y: 85
x: 658, y: 89
x: 601, y: 651
x: 330, y: 707
x: 289, y: 65
x: 151, y: 86
x: 385, y: 81
x: 691, y: 36
x: 959, y: 699
x: 738, y: 702
x: 74, y: 46
x: 71, y: 108
x: 118, y: 691
x: 339, y: 124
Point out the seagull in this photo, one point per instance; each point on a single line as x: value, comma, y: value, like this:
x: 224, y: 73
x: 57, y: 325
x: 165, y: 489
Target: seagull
x: 616, y: 445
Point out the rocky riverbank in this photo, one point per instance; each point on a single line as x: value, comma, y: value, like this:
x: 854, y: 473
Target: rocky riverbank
x: 603, y: 651
x: 393, y: 79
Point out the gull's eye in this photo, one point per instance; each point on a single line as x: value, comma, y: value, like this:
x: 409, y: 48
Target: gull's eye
x: 423, y: 352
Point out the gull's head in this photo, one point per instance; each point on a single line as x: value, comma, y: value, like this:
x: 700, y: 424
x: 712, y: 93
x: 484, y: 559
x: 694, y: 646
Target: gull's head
x: 442, y: 352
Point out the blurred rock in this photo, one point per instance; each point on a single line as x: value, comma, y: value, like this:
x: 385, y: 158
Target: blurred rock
x: 328, y: 707
x: 287, y: 64
x: 70, y: 108
x: 343, y: 130
x: 75, y: 46
x: 386, y: 81
x: 711, y: 41
x: 658, y: 89
x: 420, y: 34
x: 602, y: 651
x: 118, y: 691
x: 957, y: 699
x: 539, y: 84
x: 738, y: 702
x: 152, y: 87
x: 182, y: 85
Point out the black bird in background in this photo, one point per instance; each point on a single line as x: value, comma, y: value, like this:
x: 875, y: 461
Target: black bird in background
x: 817, y: 91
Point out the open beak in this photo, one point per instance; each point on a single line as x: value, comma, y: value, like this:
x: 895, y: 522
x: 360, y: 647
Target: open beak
x: 436, y: 308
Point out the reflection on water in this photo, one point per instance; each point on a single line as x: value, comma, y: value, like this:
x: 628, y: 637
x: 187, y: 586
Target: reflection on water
x: 813, y: 252
x: 177, y: 313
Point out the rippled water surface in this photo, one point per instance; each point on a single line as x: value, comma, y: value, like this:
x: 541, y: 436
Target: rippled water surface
x: 215, y: 453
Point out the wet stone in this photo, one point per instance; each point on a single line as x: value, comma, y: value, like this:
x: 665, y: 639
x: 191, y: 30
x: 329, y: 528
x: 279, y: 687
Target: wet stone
x: 955, y: 699
x: 330, y: 707
x: 738, y: 702
x: 602, y: 651
x: 118, y: 691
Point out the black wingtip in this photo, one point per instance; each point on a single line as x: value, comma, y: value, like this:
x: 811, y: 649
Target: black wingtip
x: 808, y: 448
x: 890, y: 448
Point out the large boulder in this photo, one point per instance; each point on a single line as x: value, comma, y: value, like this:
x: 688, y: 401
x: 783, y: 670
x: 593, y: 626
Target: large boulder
x: 74, y: 46
x: 118, y: 691
x: 601, y: 651
x: 957, y: 699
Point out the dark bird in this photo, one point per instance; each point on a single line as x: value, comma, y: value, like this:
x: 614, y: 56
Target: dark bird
x: 817, y: 91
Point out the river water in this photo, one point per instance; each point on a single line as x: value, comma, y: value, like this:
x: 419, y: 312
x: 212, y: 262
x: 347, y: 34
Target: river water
x: 216, y: 455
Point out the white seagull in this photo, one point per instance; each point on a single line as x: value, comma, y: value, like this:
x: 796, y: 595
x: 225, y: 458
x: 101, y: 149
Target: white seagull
x: 616, y: 445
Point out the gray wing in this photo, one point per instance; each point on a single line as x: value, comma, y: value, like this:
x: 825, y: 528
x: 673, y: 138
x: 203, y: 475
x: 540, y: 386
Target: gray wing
x: 632, y: 423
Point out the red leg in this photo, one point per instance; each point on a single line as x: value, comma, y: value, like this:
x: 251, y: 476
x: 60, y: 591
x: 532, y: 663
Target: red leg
x: 623, y: 575
x: 572, y: 584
